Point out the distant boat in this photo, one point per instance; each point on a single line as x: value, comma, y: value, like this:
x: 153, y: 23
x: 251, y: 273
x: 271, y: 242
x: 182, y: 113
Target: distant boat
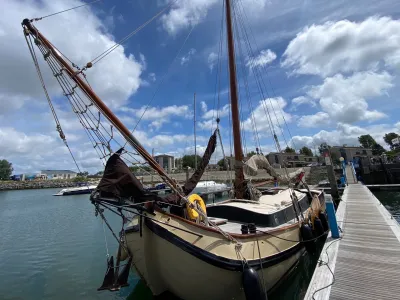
x: 209, y: 186
x: 76, y: 190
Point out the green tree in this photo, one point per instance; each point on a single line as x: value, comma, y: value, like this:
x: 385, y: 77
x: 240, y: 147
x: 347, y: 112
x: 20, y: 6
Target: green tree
x: 377, y: 149
x: 322, y: 147
x: 251, y: 153
x: 221, y: 164
x: 306, y: 151
x: 5, y: 169
x: 368, y: 141
x: 188, y: 161
x: 83, y: 174
x: 388, y: 137
x: 289, y: 150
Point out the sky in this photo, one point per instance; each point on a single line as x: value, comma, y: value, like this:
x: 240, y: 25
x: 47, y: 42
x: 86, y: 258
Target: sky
x: 318, y: 71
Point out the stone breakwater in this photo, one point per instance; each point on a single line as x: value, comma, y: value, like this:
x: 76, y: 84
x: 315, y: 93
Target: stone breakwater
x: 45, y: 184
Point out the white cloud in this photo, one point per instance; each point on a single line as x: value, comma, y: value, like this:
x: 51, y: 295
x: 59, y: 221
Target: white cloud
x: 275, y: 106
x: 344, y: 46
x: 152, y: 77
x: 265, y: 57
x: 157, y: 115
x: 185, y: 13
x: 115, y: 78
x: 186, y: 58
x: 320, y: 119
x: 212, y: 113
x: 302, y: 100
x: 212, y: 60
x: 344, y: 134
x: 13, y: 142
x: 208, y: 124
x: 203, y: 106
x: 34, y: 152
x: 344, y: 99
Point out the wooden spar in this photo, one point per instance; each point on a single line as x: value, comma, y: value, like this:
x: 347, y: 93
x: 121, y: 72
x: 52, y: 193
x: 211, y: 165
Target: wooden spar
x: 100, y: 104
x: 237, y: 141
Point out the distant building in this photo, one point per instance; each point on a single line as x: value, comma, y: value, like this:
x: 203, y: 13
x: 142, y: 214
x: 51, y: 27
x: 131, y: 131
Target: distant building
x: 349, y: 153
x: 59, y: 174
x: 167, y: 162
x: 213, y: 167
x: 292, y: 160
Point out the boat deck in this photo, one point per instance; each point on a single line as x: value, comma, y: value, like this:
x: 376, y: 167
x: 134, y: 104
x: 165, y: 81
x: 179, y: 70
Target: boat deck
x: 366, y: 260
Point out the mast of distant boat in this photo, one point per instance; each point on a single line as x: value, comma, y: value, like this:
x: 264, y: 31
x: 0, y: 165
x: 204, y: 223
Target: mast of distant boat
x: 239, y: 185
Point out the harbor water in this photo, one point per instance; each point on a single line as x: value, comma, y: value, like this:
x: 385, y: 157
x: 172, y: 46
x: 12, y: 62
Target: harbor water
x: 55, y: 248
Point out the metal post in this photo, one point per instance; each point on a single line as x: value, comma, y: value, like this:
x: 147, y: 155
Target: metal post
x: 331, y: 176
x: 187, y: 173
x: 330, y: 209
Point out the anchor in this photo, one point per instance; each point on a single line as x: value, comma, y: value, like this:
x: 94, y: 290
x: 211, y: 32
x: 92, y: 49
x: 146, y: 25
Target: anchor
x: 115, y: 280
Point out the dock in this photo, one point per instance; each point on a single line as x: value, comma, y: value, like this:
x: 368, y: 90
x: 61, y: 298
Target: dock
x: 364, y: 263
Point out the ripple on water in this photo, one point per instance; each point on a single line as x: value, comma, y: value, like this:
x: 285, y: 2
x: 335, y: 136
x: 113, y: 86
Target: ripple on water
x: 54, y: 246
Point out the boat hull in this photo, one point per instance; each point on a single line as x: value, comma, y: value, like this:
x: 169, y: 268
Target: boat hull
x: 173, y: 262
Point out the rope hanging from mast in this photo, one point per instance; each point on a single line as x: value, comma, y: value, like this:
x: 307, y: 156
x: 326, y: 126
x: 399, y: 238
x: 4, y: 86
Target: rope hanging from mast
x: 127, y: 37
x: 65, y: 10
x: 39, y: 73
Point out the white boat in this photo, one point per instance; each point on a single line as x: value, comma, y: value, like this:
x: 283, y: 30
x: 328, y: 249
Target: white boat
x: 87, y: 189
x: 209, y: 186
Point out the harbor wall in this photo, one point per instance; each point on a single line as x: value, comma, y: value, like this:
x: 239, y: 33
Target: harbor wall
x: 35, y: 184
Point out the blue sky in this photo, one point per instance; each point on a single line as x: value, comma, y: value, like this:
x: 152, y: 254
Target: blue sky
x: 330, y: 68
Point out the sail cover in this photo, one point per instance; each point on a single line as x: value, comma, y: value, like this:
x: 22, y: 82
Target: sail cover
x: 259, y: 161
x: 118, y: 181
x: 192, y: 182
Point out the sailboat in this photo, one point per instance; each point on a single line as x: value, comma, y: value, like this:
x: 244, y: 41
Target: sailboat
x: 236, y: 249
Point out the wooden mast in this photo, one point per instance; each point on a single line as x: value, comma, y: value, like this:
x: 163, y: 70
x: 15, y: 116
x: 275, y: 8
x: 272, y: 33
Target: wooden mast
x: 101, y: 106
x: 237, y: 141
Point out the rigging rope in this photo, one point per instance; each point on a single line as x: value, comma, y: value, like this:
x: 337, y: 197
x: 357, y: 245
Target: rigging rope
x: 123, y: 40
x: 65, y: 10
x: 265, y: 69
x: 269, y: 79
x: 74, y: 98
x: 247, y: 91
x: 218, y: 74
x: 162, y: 81
x: 38, y: 71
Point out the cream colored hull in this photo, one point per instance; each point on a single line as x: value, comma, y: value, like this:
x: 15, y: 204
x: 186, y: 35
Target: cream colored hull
x: 166, y: 267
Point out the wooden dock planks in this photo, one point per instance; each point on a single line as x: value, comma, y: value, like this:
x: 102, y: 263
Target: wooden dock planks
x: 366, y: 261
